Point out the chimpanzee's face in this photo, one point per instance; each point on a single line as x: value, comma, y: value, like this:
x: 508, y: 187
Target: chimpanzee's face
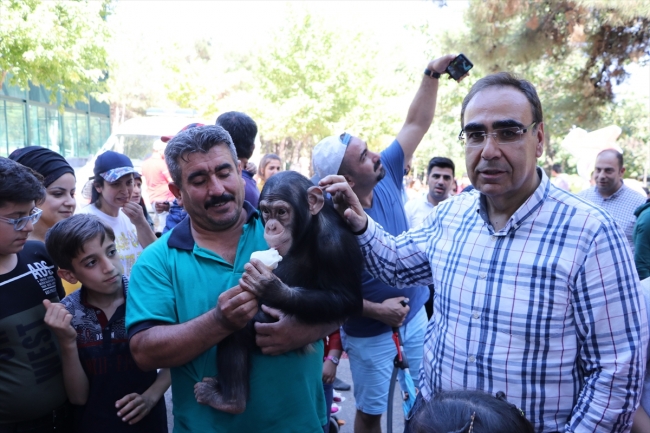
x: 278, y: 216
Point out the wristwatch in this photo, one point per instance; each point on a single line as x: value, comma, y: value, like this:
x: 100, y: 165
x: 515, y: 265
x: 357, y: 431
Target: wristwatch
x: 334, y: 359
x: 433, y: 74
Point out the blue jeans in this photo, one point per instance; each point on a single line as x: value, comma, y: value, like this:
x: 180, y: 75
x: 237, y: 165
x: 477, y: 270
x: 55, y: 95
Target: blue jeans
x: 371, y: 362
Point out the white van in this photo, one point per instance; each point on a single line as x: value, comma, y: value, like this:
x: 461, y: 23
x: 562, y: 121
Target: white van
x: 134, y: 138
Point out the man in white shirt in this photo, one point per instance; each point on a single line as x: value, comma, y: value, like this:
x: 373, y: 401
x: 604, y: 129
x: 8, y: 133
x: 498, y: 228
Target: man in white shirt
x: 612, y: 194
x: 440, y: 178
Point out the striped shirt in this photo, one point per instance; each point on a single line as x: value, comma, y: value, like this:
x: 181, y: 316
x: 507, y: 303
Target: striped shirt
x: 548, y: 309
x: 620, y: 205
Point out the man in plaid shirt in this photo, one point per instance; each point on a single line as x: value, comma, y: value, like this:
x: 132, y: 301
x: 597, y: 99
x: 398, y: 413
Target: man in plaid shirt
x: 536, y: 290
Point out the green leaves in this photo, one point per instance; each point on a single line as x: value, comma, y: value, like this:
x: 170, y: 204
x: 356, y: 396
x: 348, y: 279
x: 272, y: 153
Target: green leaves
x: 57, y: 44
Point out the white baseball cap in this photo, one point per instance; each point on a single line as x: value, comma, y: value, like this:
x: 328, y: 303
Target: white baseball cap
x: 328, y: 154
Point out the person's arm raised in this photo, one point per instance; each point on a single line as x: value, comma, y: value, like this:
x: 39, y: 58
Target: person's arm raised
x: 174, y: 345
x: 421, y: 111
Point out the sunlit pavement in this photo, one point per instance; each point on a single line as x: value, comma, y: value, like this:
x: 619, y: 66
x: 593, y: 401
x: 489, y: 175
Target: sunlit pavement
x: 347, y: 407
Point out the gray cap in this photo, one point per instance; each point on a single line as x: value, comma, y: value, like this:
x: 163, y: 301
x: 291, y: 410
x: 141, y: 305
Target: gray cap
x: 328, y: 154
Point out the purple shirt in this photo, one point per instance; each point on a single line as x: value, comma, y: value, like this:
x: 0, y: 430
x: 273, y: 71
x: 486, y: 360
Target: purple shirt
x: 251, y: 193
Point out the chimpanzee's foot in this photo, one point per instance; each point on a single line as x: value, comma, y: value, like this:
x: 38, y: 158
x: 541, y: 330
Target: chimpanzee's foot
x: 206, y: 393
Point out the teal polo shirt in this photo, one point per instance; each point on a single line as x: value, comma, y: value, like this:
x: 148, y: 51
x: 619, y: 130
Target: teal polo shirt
x: 174, y: 281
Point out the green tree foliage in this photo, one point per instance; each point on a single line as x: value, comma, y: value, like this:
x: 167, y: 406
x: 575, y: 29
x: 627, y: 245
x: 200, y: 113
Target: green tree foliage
x: 315, y: 79
x: 57, y: 44
x: 573, y: 51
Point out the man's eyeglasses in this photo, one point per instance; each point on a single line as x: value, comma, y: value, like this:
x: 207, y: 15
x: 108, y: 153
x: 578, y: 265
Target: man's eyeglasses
x: 502, y: 136
x: 20, y: 223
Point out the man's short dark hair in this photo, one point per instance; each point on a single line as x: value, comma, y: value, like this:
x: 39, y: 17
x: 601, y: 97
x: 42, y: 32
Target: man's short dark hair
x: 199, y: 139
x: 614, y: 152
x: 505, y: 79
x: 67, y: 238
x: 19, y: 184
x: 557, y: 168
x: 442, y: 162
x: 242, y: 130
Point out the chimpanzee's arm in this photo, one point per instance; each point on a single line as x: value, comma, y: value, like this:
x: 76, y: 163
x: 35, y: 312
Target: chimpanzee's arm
x: 332, y: 302
x: 312, y: 305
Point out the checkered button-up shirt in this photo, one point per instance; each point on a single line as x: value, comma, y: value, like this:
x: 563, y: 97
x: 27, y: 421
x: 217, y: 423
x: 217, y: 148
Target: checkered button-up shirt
x: 547, y: 309
x: 620, y: 205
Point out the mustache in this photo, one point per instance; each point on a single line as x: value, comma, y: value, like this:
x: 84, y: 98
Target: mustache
x: 215, y: 200
x: 377, y: 165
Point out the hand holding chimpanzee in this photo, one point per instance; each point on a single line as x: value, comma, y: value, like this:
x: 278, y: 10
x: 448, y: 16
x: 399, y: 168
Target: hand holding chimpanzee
x: 235, y: 307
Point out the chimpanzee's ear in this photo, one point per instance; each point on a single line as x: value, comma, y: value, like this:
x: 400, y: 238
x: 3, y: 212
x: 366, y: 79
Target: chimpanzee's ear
x: 315, y: 199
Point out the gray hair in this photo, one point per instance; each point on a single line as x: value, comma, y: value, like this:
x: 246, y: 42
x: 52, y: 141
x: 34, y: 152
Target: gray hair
x: 198, y: 139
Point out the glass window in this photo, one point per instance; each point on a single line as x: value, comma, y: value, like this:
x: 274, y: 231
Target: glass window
x: 16, y: 131
x: 69, y: 134
x: 83, y: 140
x: 3, y: 130
x: 106, y: 128
x: 95, y: 134
x: 44, y: 127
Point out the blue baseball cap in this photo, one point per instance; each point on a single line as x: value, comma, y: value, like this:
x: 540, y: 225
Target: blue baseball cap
x: 112, y: 165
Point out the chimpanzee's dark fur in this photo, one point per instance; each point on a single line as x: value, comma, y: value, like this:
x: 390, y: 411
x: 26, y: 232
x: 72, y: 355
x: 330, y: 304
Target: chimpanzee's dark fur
x: 324, y: 263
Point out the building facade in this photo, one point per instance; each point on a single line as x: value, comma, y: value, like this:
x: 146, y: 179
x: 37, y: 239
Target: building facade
x: 27, y: 118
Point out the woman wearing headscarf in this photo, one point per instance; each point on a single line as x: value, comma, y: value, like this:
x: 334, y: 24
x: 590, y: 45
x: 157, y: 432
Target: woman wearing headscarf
x: 59, y: 182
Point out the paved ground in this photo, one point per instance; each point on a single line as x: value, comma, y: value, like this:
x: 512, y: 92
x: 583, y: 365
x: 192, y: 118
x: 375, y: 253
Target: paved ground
x: 347, y: 407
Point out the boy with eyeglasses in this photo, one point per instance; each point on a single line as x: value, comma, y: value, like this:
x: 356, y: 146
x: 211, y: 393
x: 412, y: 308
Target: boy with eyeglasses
x: 32, y: 394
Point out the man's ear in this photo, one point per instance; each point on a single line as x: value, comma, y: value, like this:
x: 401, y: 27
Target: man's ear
x: 176, y: 191
x: 348, y: 179
x: 539, y: 148
x: 67, y: 275
x: 315, y: 199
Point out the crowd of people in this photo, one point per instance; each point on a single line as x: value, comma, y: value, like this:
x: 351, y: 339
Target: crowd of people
x: 519, y: 304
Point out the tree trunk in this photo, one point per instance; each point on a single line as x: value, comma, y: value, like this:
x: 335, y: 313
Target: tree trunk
x: 2, y: 78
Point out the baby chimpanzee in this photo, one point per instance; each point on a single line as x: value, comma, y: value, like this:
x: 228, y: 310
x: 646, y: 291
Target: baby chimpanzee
x: 318, y: 280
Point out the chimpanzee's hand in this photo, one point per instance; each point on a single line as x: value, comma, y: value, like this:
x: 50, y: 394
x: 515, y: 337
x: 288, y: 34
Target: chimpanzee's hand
x: 287, y: 333
x: 235, y: 307
x: 258, y: 278
x: 345, y: 201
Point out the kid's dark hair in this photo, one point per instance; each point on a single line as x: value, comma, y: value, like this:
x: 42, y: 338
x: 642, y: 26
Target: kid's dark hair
x: 19, y: 184
x: 456, y: 411
x: 67, y: 238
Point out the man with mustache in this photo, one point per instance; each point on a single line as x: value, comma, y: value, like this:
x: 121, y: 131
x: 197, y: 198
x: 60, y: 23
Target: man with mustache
x: 376, y: 178
x: 536, y: 293
x: 184, y: 298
